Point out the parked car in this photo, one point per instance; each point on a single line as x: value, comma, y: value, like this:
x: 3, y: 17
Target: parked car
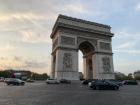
x: 85, y: 82
x: 30, y: 80
x: 130, y: 82
x: 1, y: 79
x: 103, y: 85
x: 65, y: 81
x: 14, y: 81
x: 52, y: 81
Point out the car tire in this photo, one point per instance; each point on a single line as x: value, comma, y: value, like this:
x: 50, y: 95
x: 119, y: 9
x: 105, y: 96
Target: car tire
x: 23, y: 84
x: 97, y: 88
x: 93, y: 87
x: 116, y: 88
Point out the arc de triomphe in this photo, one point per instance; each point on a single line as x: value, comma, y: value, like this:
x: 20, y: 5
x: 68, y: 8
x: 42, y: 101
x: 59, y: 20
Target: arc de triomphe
x: 69, y: 35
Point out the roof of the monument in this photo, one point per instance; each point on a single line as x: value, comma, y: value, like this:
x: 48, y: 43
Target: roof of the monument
x: 82, y: 21
x: 71, y: 19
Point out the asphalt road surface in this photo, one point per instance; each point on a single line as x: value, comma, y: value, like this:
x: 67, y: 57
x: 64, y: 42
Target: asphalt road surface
x: 40, y: 93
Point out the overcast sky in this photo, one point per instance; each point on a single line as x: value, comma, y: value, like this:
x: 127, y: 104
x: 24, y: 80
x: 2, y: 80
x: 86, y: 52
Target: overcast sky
x: 25, y: 27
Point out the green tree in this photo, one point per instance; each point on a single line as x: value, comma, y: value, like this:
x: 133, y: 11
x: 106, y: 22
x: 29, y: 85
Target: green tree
x: 5, y: 74
x: 130, y: 76
x: 120, y: 76
x: 137, y: 75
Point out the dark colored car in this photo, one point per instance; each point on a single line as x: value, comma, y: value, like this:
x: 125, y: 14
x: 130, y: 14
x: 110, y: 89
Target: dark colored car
x: 65, y: 81
x: 14, y: 81
x: 85, y: 82
x: 130, y: 82
x: 116, y: 82
x: 103, y: 85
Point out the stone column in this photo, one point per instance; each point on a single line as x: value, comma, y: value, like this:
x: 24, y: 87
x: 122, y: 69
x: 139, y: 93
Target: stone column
x: 95, y: 63
x: 52, y: 67
x: 85, y: 67
x: 103, y: 66
x: 67, y: 64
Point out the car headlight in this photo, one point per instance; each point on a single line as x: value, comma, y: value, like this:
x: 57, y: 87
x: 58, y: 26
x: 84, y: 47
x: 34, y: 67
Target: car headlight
x: 89, y: 84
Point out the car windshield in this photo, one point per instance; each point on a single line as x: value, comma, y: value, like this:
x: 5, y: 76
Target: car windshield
x: 18, y: 80
x: 98, y: 81
x: 9, y: 79
x: 51, y: 79
x: 110, y: 82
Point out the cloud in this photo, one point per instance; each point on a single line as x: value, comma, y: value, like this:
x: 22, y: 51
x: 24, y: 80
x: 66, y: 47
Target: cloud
x: 20, y: 16
x: 34, y: 9
x: 3, y: 58
x: 137, y: 6
x: 17, y: 58
x: 75, y: 8
x: 35, y: 64
x: 32, y: 19
x: 33, y: 36
x: 24, y: 21
x: 37, y: 6
x: 126, y: 45
x: 8, y: 47
x: 126, y: 66
x: 131, y: 51
x: 39, y: 66
x: 20, y: 63
x: 127, y: 41
x: 127, y: 33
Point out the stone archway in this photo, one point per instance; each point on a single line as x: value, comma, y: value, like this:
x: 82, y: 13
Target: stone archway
x: 88, y: 51
x: 94, y: 40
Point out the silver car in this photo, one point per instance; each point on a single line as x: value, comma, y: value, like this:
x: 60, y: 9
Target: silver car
x: 52, y: 81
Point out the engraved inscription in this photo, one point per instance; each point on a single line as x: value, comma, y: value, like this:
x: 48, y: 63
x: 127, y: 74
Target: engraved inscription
x: 67, y: 40
x: 106, y: 64
x: 67, y: 62
x: 105, y: 46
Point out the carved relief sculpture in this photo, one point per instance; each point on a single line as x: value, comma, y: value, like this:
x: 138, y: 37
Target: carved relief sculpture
x: 67, y: 61
x: 67, y: 40
x: 106, y: 64
x: 105, y: 46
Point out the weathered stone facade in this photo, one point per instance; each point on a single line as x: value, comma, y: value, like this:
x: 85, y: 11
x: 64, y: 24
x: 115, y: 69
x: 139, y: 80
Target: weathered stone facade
x: 70, y: 35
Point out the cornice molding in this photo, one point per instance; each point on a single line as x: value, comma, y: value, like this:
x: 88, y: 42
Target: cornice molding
x: 81, y: 25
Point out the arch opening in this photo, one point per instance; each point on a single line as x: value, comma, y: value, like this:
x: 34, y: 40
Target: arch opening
x: 87, y: 50
x: 86, y: 47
